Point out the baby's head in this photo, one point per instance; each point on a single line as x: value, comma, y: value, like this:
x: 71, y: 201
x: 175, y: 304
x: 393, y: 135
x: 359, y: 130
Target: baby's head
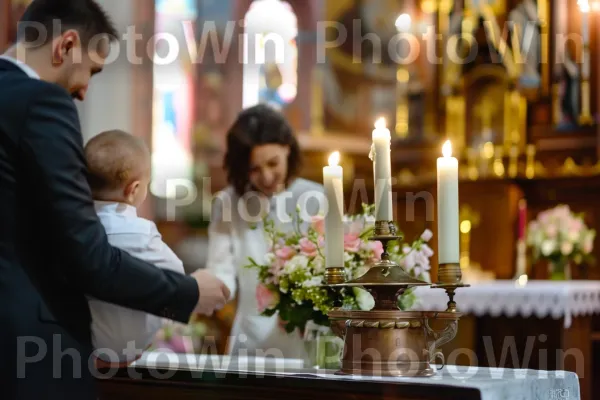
x: 118, y: 167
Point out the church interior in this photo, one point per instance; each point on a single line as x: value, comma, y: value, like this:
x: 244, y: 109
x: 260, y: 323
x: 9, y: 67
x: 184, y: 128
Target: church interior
x: 512, y: 84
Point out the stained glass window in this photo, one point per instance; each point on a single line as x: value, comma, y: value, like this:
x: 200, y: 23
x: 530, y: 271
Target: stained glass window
x: 270, y: 54
x: 173, y: 97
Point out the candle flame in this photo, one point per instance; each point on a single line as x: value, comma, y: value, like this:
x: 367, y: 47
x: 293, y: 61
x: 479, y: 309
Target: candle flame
x: 584, y: 5
x: 521, y: 281
x: 447, y: 149
x: 403, y: 22
x: 380, y: 123
x: 334, y: 159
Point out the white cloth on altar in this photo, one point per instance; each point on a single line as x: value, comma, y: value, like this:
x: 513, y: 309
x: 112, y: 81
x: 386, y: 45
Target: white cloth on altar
x: 555, y: 299
x: 232, y: 241
x: 492, y: 383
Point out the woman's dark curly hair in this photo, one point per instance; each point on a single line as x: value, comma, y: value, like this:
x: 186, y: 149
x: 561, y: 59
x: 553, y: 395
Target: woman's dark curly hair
x: 255, y: 126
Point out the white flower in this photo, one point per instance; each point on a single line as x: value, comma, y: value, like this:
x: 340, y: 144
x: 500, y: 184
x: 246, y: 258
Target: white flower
x: 270, y: 258
x: 312, y: 282
x: 297, y: 262
x: 548, y: 247
x: 566, y: 248
x: 427, y: 235
x: 417, y: 270
x: 426, y: 250
x: 364, y: 299
x: 318, y: 265
x: 421, y: 260
x: 410, y: 261
x: 426, y: 276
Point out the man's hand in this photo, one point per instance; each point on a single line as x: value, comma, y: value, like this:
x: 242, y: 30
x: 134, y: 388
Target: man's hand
x: 213, y: 292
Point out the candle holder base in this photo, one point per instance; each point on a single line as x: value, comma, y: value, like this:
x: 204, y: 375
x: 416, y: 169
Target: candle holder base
x: 397, y: 343
x: 449, y: 278
x: 335, y: 275
x: 586, y: 120
x: 392, y: 343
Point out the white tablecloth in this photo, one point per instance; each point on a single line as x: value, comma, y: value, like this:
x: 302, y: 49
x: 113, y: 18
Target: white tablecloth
x: 565, y: 299
x: 492, y: 383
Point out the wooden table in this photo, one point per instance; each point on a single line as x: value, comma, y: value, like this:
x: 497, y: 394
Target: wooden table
x: 192, y: 380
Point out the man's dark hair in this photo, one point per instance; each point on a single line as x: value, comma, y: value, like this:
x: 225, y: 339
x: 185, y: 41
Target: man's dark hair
x: 255, y: 126
x: 85, y: 16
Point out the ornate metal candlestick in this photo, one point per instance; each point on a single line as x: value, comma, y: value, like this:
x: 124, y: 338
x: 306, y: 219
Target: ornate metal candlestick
x: 386, y: 341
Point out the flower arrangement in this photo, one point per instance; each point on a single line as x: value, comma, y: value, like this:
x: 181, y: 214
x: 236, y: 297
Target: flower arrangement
x: 560, y: 236
x: 294, y: 269
x: 180, y: 338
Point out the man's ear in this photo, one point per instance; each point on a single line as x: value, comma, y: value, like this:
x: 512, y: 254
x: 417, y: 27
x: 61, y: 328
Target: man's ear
x: 67, y: 45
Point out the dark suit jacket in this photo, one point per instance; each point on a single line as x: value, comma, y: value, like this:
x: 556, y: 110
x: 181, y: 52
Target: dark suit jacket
x: 54, y: 251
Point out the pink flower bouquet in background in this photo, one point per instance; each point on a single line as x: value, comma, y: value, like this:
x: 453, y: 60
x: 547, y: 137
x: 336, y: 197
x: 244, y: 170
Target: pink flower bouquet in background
x: 561, y: 237
x: 294, y: 268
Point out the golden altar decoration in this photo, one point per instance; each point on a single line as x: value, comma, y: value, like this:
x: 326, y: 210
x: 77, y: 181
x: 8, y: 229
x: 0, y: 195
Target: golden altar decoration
x: 397, y: 343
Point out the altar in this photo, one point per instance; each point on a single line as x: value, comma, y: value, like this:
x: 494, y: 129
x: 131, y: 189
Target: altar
x: 525, y: 324
x: 188, y: 376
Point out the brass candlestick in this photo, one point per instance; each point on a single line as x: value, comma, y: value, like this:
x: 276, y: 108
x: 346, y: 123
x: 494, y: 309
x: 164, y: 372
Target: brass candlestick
x: 386, y: 341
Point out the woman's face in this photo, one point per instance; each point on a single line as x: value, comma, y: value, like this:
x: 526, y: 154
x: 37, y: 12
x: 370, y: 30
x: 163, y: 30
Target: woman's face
x: 269, y: 167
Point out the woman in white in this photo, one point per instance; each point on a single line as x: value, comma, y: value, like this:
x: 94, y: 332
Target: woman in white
x: 262, y: 163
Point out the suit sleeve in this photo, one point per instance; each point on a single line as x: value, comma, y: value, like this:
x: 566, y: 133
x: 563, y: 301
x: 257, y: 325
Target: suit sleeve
x: 221, y: 260
x: 51, y: 151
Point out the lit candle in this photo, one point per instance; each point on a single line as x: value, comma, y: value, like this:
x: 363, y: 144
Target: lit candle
x: 447, y: 207
x: 584, y: 5
x: 333, y: 175
x: 382, y: 167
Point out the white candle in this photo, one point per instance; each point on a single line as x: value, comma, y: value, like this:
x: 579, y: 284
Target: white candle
x: 447, y: 207
x: 334, y: 225
x: 584, y: 5
x: 382, y: 166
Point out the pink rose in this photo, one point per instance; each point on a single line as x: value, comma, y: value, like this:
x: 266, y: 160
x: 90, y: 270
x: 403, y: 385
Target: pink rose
x: 377, y: 249
x: 551, y: 231
x: 351, y: 242
x: 318, y: 224
x: 575, y: 225
x: 181, y: 344
x: 307, y: 247
x: 321, y: 241
x: 355, y: 227
x: 285, y: 253
x: 266, y: 298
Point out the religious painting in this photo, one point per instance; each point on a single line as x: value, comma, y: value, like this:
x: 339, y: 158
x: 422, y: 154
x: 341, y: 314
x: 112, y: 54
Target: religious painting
x: 380, y: 69
x: 173, y: 98
x: 574, y: 68
x: 270, y: 72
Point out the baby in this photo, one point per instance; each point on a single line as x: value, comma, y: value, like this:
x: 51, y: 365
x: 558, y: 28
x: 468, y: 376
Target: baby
x: 119, y: 174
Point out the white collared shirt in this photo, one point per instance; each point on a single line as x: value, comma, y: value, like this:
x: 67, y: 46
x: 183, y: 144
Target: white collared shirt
x: 26, y: 68
x: 113, y: 327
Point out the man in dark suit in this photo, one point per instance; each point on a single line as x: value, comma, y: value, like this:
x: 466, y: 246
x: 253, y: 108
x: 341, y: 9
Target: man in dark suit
x: 53, y: 249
